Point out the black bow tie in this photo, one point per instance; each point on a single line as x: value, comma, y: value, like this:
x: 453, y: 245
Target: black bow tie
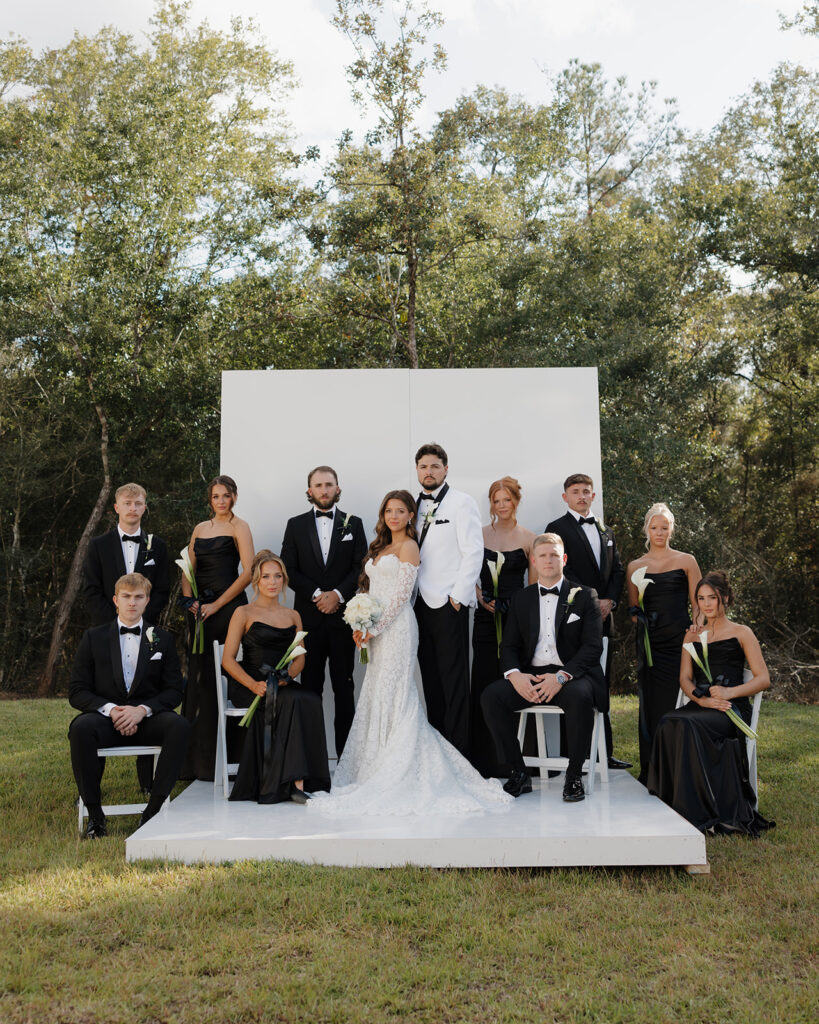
x: 328, y: 514
x: 423, y: 496
x: 136, y: 538
x: 136, y: 630
x: 591, y: 520
x: 549, y: 590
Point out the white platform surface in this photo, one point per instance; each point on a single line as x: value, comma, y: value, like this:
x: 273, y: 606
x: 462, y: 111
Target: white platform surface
x: 619, y: 824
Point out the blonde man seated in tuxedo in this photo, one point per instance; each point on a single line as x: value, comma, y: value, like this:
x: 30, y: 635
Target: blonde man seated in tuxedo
x: 550, y: 653
x: 125, y: 683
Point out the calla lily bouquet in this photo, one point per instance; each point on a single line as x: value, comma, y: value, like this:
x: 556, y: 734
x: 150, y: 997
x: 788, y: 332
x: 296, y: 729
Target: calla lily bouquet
x: 186, y: 566
x: 294, y: 651
x: 495, y: 571
x: 638, y: 578
x: 704, y: 691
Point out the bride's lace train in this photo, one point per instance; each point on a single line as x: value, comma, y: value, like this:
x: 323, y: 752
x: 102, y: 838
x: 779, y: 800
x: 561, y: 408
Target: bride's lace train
x: 394, y: 761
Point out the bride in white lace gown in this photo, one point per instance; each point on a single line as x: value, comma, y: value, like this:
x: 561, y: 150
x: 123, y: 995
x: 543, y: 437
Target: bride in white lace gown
x: 394, y: 761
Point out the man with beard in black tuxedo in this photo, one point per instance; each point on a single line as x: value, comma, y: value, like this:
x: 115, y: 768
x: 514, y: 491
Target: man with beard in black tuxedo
x: 550, y: 653
x: 593, y: 560
x: 323, y: 550
x: 126, y: 682
x: 126, y: 549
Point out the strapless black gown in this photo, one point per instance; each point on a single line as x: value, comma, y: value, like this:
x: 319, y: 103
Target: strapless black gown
x: 666, y: 606
x: 485, y: 666
x: 699, y: 762
x: 298, y: 746
x: 217, y: 567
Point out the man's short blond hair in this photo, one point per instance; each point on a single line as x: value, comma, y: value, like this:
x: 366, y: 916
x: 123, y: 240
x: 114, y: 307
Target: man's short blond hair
x: 548, y: 538
x: 131, y: 490
x: 133, y: 581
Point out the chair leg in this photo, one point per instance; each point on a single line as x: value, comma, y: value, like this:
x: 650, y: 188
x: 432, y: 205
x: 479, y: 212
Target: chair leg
x: 523, y: 717
x: 595, y: 740
x: 80, y: 813
x: 602, y: 750
x: 752, y: 770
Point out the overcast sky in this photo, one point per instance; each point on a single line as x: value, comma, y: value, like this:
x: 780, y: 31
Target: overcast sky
x: 705, y: 53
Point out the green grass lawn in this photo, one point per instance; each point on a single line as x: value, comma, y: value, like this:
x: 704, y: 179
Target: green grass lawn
x: 89, y: 938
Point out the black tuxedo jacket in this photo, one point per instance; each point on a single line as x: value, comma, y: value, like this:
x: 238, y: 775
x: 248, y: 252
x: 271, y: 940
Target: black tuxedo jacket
x: 104, y: 564
x: 579, y: 642
x: 581, y: 565
x: 97, y: 679
x: 301, y: 554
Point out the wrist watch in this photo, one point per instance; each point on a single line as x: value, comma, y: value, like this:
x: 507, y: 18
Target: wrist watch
x: 561, y: 677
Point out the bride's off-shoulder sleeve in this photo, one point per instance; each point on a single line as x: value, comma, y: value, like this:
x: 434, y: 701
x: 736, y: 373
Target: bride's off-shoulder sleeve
x: 404, y: 586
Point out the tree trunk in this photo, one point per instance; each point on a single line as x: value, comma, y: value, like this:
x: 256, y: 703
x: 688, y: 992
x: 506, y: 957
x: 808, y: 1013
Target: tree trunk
x: 412, y: 281
x: 72, y: 586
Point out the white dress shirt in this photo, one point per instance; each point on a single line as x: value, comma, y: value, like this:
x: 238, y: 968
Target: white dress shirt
x: 129, y: 652
x: 592, y: 534
x: 324, y: 529
x: 546, y: 647
x: 129, y: 549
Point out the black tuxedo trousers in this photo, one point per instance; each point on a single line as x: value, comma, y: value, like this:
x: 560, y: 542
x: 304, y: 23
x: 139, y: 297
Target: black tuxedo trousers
x: 91, y: 730
x: 501, y: 702
x: 443, y: 656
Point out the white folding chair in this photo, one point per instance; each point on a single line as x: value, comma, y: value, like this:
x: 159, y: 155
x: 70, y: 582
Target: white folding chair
x: 599, y: 760
x: 750, y: 742
x: 222, y: 770
x: 108, y: 809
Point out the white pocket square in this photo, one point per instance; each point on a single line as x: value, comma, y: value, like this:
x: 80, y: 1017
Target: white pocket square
x: 157, y: 656
x: 610, y: 544
x: 572, y: 618
x: 348, y: 537
x: 150, y: 562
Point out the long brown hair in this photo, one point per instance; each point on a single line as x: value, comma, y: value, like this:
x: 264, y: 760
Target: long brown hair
x: 383, y: 534
x: 227, y: 482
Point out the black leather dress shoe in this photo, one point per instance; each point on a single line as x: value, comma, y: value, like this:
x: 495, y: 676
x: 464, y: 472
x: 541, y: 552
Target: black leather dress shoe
x: 96, y: 828
x: 519, y: 782
x: 298, y: 796
x: 615, y: 762
x: 573, y: 789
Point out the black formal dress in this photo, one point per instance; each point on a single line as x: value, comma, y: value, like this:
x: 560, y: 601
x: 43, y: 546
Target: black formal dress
x: 284, y: 744
x: 699, y: 762
x: 666, y: 608
x: 217, y: 568
x: 330, y: 638
x: 485, y: 657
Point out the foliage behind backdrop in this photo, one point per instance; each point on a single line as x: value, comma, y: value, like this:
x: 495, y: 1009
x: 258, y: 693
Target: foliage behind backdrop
x: 156, y: 228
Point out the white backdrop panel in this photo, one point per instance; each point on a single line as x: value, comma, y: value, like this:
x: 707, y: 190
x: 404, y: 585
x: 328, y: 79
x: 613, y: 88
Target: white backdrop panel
x: 536, y: 424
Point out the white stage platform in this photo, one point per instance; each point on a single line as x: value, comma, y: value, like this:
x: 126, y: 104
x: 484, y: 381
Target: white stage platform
x: 620, y: 824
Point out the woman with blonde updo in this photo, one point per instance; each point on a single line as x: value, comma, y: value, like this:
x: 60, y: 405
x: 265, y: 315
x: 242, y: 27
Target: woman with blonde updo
x: 502, y: 536
x: 285, y: 752
x: 672, y: 579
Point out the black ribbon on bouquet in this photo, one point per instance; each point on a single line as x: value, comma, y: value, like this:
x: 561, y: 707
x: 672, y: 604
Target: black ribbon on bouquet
x: 271, y: 699
x: 703, y: 689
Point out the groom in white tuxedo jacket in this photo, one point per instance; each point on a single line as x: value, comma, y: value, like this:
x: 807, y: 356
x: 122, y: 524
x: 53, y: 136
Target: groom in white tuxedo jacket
x: 451, y: 542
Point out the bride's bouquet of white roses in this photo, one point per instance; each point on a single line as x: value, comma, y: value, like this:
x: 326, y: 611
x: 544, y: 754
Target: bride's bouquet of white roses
x: 362, y: 612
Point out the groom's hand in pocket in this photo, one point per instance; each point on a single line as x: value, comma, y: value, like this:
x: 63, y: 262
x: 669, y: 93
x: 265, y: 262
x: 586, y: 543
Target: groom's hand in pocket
x: 455, y: 604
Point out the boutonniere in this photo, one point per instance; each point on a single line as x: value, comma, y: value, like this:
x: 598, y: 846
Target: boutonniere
x: 601, y: 526
x: 344, y: 528
x: 150, y: 542
x: 151, y: 637
x: 572, y: 595
x: 429, y: 515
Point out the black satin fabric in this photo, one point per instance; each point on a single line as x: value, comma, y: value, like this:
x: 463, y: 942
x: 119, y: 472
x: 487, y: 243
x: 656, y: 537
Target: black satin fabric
x: 699, y: 762
x: 295, y: 739
x: 485, y: 669
x: 217, y: 568
x: 666, y: 606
